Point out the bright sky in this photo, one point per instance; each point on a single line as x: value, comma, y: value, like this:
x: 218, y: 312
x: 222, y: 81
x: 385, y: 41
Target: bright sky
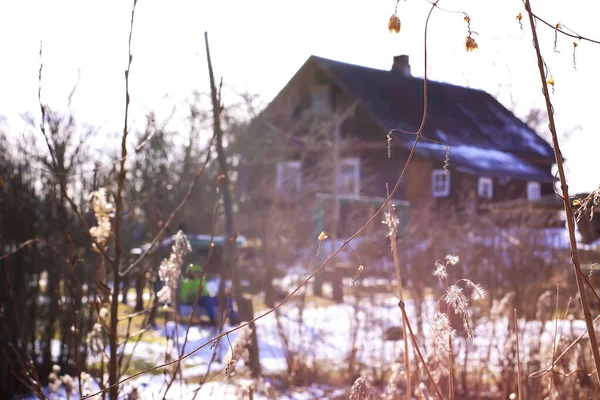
x: 257, y: 46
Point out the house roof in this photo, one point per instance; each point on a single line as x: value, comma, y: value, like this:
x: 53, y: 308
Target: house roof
x: 483, y: 136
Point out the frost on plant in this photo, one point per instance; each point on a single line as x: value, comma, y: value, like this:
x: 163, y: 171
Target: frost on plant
x: 86, y: 384
x: 55, y: 382
x: 441, y: 332
x: 452, y: 259
x: 95, y: 339
x: 104, y: 211
x: 170, y: 268
x: 455, y: 298
x: 440, y: 270
x: 391, y: 221
x: 103, y: 313
x: 363, y: 389
x: 479, y: 292
x: 441, y: 267
x: 459, y: 302
x: 396, y: 380
x: 504, y: 307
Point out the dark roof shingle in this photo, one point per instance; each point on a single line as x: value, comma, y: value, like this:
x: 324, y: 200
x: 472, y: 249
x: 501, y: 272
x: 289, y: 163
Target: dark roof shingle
x: 485, y: 136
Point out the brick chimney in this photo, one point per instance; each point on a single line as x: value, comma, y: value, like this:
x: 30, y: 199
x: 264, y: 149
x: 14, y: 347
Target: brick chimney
x: 401, y: 65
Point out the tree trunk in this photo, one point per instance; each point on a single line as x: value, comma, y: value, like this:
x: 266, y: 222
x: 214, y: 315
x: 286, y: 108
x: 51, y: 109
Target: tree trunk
x: 230, y: 242
x: 140, y: 283
x: 246, y: 308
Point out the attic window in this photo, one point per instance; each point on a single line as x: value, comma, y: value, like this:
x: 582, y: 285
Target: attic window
x: 485, y: 188
x: 348, y: 177
x: 440, y: 183
x: 534, y: 191
x: 321, y: 104
x: 289, y: 176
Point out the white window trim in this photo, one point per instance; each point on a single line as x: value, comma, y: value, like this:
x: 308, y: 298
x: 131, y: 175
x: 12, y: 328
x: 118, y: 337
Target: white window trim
x: 436, y: 173
x: 481, y: 185
x: 354, y: 162
x: 279, y: 180
x: 534, y: 186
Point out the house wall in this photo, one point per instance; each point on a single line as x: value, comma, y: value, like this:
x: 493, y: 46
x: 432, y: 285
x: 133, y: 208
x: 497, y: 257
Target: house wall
x: 371, y: 147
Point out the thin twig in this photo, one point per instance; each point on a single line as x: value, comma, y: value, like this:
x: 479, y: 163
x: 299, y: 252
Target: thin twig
x: 114, y: 308
x: 554, y: 339
x: 565, y: 195
x: 394, y: 246
x: 167, y: 224
x: 305, y: 281
x: 416, y: 347
x: 539, y: 374
x: 520, y: 377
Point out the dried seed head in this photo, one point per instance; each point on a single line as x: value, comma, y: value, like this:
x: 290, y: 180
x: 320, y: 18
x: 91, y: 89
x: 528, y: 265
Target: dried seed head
x: 169, y: 270
x: 503, y: 307
x: 104, y: 211
x: 95, y: 339
x: 441, y: 332
x: 470, y: 44
x: 322, y: 236
x: 392, y: 221
x: 394, y: 24
x: 68, y: 383
x: 479, y: 292
x: 362, y: 389
x: 103, y: 313
x: 452, y: 259
x: 440, y: 270
x: 543, y: 305
x: 459, y: 302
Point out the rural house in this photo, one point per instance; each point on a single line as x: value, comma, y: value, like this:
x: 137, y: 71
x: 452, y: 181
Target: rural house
x: 493, y: 155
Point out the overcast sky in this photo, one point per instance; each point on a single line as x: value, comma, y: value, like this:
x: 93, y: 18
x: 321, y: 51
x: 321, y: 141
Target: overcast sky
x: 257, y: 46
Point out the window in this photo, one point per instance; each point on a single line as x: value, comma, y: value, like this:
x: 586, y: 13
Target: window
x: 289, y: 176
x: 534, y: 191
x: 348, y: 177
x: 320, y: 99
x: 440, y: 183
x: 485, y: 188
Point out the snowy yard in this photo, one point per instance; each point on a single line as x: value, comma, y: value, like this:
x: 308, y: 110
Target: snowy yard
x: 326, y: 336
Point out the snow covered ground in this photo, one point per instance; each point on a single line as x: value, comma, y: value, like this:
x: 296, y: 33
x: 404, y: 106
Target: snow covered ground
x: 325, y: 336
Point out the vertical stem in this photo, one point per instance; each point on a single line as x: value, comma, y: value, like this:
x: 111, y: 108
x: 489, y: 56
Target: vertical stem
x: 114, y: 306
x: 336, y: 172
x: 230, y: 242
x: 418, y: 351
x: 565, y: 196
x: 450, y: 352
x: 451, y: 373
x: 519, y: 379
x: 394, y: 246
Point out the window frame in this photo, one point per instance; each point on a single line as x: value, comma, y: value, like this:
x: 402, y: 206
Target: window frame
x: 538, y: 189
x: 435, y: 174
x: 482, y: 182
x: 279, y: 179
x: 321, y: 99
x: 354, y: 162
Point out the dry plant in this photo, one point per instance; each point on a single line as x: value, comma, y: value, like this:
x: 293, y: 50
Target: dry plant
x: 108, y: 205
